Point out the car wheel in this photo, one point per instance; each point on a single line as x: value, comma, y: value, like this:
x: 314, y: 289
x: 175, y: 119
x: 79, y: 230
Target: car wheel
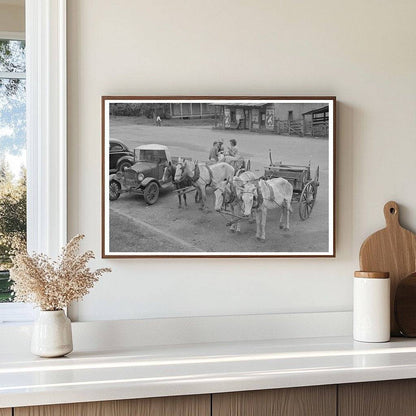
x: 124, y: 165
x: 115, y: 190
x: 151, y: 193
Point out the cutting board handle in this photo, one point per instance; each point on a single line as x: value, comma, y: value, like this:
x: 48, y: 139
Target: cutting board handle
x: 391, y: 214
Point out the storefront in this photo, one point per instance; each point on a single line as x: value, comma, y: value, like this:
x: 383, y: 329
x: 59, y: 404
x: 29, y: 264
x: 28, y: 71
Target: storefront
x: 292, y: 119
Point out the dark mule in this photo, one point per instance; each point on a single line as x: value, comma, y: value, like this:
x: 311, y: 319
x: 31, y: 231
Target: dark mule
x: 183, y: 182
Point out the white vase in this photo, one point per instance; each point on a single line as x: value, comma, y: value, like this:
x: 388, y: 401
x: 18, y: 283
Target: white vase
x: 52, y: 334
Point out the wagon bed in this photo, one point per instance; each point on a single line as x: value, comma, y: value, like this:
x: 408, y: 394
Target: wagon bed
x: 305, y: 187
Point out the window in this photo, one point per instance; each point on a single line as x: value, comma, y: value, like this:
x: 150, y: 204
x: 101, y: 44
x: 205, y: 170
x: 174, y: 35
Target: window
x: 152, y: 155
x: 115, y: 147
x: 12, y: 155
x: 45, y: 27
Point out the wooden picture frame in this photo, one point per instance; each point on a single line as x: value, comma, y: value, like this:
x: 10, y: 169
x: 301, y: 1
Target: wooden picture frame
x: 299, y: 131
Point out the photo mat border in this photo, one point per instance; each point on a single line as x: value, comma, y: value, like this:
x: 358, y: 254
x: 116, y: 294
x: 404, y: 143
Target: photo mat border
x: 105, y: 253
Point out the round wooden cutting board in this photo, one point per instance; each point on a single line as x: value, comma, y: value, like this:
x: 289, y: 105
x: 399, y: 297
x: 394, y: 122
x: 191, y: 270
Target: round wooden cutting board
x: 393, y: 250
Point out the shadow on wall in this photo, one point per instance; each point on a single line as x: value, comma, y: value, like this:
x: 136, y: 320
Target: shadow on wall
x: 344, y: 180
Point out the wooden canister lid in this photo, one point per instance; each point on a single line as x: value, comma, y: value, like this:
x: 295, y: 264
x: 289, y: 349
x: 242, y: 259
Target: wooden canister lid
x: 372, y: 275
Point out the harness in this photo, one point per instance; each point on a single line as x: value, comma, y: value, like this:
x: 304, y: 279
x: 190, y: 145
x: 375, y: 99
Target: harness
x: 173, y: 174
x: 232, y: 195
x: 271, y: 191
x: 181, y: 180
x: 197, y: 175
x: 226, y: 202
x: 210, y: 174
x: 260, y: 198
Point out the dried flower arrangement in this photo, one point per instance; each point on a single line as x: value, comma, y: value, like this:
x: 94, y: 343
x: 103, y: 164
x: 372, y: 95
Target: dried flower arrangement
x: 53, y: 285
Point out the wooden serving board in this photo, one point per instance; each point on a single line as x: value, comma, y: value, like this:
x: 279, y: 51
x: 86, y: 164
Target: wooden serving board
x: 393, y: 250
x: 405, y: 306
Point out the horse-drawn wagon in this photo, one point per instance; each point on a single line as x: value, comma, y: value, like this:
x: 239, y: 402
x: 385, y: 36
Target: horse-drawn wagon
x: 305, y: 187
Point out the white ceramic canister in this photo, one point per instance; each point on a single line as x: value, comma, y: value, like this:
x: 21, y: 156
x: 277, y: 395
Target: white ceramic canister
x: 52, y: 334
x: 371, y: 307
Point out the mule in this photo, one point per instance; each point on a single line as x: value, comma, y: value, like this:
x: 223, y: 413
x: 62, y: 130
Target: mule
x: 266, y: 195
x: 203, y: 175
x: 236, y: 163
x: 182, y: 182
x: 230, y: 194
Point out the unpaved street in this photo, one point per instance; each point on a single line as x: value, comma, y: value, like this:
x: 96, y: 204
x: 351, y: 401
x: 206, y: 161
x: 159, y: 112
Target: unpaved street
x: 163, y: 227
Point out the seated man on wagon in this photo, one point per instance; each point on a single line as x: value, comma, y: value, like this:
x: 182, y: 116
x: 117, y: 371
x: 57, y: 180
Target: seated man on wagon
x: 233, y: 156
x: 213, y: 154
x: 233, y: 150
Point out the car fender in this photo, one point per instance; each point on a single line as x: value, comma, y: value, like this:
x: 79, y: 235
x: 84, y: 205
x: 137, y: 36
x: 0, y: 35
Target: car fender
x: 146, y: 182
x: 113, y: 177
x: 129, y: 159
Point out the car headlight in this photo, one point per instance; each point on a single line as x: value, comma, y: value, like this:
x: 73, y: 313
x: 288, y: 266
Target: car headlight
x: 140, y: 177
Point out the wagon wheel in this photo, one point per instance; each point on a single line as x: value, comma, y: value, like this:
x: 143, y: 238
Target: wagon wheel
x: 307, y: 200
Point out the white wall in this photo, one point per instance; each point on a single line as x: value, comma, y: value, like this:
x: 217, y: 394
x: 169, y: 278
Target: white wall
x: 361, y: 51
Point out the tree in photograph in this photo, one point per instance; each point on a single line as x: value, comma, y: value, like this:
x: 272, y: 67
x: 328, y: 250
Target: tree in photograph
x: 149, y: 110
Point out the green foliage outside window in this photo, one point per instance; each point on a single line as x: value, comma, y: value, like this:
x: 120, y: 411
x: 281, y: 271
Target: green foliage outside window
x: 12, y: 145
x: 12, y: 223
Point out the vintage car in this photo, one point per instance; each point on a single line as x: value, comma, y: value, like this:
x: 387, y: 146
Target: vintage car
x: 145, y: 176
x: 120, y: 156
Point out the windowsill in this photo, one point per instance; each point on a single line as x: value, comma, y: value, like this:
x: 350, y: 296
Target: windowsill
x: 16, y: 313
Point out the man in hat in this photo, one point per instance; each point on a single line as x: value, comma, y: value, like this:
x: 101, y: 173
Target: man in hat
x: 213, y: 154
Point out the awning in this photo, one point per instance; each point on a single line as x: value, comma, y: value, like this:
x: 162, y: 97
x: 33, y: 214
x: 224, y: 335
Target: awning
x: 318, y: 110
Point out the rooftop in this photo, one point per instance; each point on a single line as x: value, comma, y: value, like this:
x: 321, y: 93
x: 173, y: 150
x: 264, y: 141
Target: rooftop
x: 152, y: 147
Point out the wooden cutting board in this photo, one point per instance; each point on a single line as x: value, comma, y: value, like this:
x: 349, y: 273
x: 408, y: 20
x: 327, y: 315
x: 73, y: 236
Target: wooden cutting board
x: 393, y: 250
x: 405, y: 306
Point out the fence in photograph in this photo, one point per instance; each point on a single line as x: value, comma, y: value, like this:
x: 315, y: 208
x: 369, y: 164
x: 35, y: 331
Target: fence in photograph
x: 301, y: 128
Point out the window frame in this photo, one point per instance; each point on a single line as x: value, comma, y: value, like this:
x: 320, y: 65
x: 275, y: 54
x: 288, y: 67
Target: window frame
x: 14, y: 312
x: 12, y: 36
x: 46, y: 137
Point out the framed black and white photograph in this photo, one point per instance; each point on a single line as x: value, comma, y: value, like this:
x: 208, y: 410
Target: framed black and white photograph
x: 218, y: 176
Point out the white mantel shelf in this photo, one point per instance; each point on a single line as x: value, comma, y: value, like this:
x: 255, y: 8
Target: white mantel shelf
x: 152, y: 371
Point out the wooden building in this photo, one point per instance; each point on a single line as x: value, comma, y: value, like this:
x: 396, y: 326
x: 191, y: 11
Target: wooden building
x: 297, y: 119
x: 190, y: 110
x: 317, y: 121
